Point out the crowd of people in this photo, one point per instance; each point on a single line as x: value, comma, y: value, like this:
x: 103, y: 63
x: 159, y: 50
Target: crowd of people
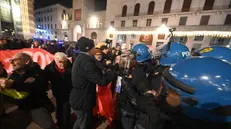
x: 134, y: 80
x: 73, y: 85
x: 51, y: 46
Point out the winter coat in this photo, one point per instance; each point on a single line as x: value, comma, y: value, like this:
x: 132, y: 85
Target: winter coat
x: 85, y: 76
x: 60, y: 82
x: 3, y: 73
x: 37, y: 89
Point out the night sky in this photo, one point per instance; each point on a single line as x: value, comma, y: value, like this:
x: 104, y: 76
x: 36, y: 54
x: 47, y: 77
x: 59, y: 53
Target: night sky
x: 100, y: 4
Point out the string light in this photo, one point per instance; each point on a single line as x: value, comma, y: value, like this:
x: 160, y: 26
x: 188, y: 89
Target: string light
x: 225, y: 34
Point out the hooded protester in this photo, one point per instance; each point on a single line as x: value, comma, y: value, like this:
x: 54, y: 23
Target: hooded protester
x: 85, y: 76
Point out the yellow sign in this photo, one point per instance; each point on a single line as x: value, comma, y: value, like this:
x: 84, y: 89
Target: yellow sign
x: 206, y: 50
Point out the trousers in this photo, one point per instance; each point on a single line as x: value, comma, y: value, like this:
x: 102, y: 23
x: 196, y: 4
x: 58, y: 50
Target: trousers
x: 84, y: 119
x: 63, y: 114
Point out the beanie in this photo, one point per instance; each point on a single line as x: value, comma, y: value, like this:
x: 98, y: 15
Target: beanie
x: 84, y: 44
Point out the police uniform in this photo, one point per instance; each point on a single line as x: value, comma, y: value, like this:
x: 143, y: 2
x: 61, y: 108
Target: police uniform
x: 138, y: 109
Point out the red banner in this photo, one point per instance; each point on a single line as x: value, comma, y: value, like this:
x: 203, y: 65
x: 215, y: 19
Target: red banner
x: 40, y: 56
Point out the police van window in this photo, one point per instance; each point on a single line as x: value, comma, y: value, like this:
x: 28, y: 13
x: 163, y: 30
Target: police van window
x: 182, y: 39
x: 219, y: 41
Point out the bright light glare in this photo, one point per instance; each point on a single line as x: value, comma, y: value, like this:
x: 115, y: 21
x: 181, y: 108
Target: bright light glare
x: 163, y: 29
x: 111, y: 30
x: 205, y: 77
x: 94, y: 21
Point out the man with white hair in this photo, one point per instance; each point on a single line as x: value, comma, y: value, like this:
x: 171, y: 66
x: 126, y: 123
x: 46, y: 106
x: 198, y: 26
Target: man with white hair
x: 58, y: 72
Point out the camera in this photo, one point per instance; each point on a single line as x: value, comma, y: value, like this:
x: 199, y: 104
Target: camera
x: 172, y: 30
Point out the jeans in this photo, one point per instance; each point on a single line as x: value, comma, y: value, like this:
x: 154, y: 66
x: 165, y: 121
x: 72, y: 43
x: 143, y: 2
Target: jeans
x: 84, y: 119
x: 20, y: 119
x: 63, y: 114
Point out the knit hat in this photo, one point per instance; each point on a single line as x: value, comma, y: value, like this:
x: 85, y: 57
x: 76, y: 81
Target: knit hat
x: 84, y: 44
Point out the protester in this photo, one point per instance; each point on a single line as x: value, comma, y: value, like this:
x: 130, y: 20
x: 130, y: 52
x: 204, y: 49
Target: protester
x: 28, y: 79
x: 58, y: 73
x: 85, y: 76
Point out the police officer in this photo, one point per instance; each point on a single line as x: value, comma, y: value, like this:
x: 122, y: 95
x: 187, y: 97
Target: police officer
x: 146, y: 89
x: 139, y: 109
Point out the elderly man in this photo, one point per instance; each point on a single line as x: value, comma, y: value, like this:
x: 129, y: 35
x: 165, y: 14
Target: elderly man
x: 59, y: 74
x: 28, y: 78
x: 85, y: 76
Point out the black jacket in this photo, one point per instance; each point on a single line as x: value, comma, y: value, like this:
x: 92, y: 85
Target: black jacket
x: 61, y: 83
x: 3, y: 73
x: 37, y: 89
x: 85, y: 76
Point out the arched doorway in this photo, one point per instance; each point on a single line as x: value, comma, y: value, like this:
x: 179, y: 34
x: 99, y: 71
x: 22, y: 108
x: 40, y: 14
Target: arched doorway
x: 77, y: 32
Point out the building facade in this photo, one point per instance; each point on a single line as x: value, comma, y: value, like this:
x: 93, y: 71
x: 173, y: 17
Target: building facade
x: 198, y: 23
x: 16, y: 18
x: 53, y: 22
